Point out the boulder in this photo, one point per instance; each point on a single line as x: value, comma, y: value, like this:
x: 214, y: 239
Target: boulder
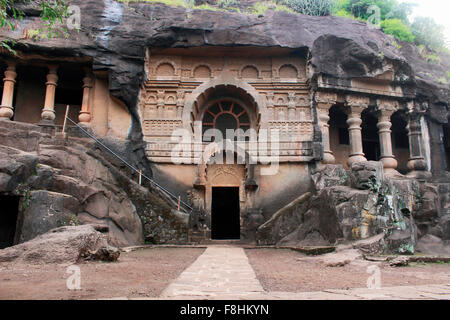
x: 399, y: 262
x: 45, y: 210
x: 371, y: 246
x: 367, y: 175
x: 284, y: 221
x: 432, y: 245
x: 330, y: 176
x: 401, y: 242
x: 340, y: 259
x: 62, y: 245
x: 318, y: 226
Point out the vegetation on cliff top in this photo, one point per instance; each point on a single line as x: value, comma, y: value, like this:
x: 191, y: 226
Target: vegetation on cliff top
x: 52, y: 12
x: 391, y: 16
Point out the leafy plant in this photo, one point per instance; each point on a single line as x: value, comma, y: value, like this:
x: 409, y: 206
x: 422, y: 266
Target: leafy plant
x: 388, y: 9
x: 398, y: 29
x: 228, y: 4
x: 311, y: 7
x: 52, y: 12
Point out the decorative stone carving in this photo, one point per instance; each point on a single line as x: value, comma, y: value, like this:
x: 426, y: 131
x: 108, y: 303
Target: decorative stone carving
x: 288, y: 71
x: 249, y: 72
x: 160, y: 103
x: 180, y: 103
x: 327, y: 98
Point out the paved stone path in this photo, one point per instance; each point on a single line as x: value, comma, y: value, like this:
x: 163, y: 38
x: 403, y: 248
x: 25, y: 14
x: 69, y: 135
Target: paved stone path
x: 224, y: 273
x: 220, y: 272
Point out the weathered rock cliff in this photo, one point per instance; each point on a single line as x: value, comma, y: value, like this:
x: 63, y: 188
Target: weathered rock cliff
x: 67, y: 183
x: 117, y: 35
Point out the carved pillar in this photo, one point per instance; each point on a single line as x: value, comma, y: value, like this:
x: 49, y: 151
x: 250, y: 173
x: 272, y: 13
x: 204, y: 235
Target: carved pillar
x: 160, y: 103
x: 417, y: 163
x: 180, y: 104
x: 85, y: 116
x: 356, y: 105
x: 385, y: 110
x: 6, y: 109
x: 270, y: 105
x: 48, y: 112
x: 324, y: 103
x: 291, y: 106
x: 200, y: 179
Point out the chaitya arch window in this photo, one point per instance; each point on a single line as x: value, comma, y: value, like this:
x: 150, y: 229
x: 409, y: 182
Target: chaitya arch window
x: 226, y: 114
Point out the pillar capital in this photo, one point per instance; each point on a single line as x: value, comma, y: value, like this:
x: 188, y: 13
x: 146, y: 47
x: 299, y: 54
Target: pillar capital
x: 356, y: 103
x: 52, y: 68
x: 386, y: 108
x: 88, y: 81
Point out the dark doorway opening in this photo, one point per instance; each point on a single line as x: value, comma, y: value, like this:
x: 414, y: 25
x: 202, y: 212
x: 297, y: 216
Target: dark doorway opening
x: 225, y: 214
x: 446, y: 138
x: 370, y: 138
x: 8, y: 220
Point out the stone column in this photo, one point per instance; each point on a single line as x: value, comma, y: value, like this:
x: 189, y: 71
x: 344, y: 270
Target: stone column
x: 160, y: 103
x: 291, y: 106
x: 385, y: 110
x: 85, y: 115
x: 180, y: 103
x: 417, y: 163
x: 356, y: 105
x: 324, y: 103
x: 48, y: 112
x: 6, y: 109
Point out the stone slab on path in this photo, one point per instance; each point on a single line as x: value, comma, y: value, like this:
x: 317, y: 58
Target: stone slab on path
x: 220, y: 272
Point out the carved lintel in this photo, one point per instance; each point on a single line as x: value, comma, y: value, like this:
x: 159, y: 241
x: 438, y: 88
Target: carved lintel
x: 326, y: 98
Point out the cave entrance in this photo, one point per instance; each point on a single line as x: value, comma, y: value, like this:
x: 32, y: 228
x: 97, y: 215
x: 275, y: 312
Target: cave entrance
x: 446, y: 139
x: 225, y: 214
x: 8, y: 220
x: 370, y: 138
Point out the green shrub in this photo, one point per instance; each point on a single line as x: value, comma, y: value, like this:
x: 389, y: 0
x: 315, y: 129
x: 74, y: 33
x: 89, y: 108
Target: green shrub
x: 311, y: 7
x: 433, y: 58
x: 398, y: 29
x: 448, y: 74
x: 227, y: 4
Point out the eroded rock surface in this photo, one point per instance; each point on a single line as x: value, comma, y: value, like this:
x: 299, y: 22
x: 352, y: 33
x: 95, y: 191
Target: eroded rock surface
x: 68, y: 183
x: 359, y: 205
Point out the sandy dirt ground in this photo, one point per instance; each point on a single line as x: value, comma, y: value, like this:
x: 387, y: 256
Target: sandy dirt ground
x: 138, y: 274
x: 289, y: 271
